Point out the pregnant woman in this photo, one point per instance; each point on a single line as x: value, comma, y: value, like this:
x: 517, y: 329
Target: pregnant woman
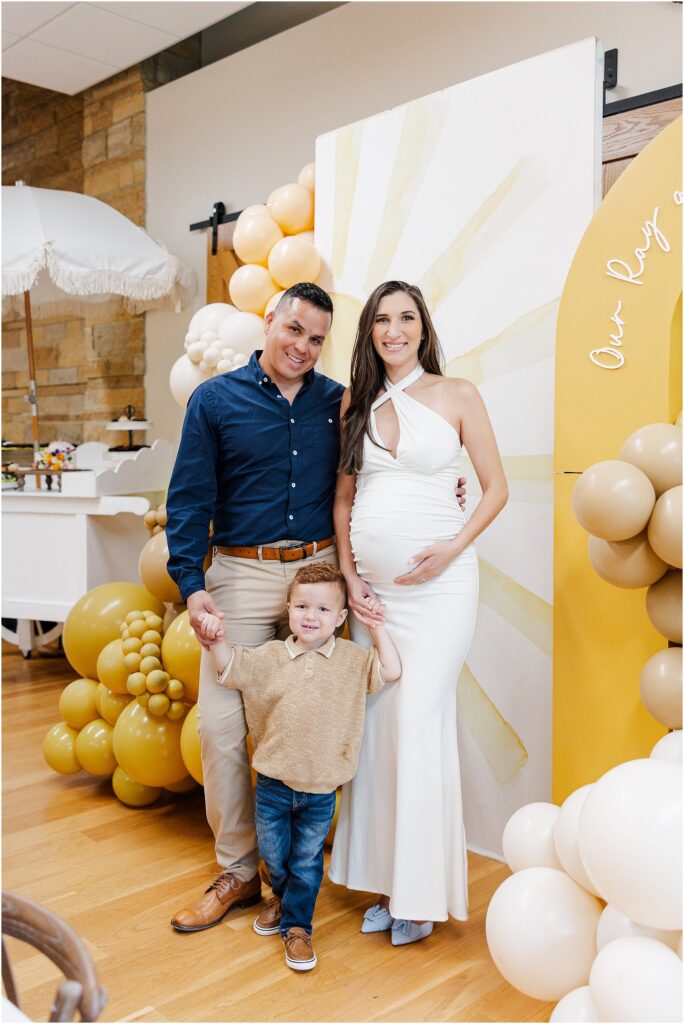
x: 403, y: 539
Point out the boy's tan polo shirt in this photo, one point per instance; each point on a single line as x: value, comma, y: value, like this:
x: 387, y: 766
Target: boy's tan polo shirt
x: 305, y: 709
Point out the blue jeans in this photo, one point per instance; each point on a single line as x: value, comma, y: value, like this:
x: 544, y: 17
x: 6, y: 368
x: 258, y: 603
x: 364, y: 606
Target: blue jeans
x: 291, y: 828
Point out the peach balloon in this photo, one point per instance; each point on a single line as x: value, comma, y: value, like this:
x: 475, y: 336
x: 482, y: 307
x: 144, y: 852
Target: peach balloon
x: 293, y: 260
x: 307, y: 177
x: 664, y: 605
x: 152, y: 569
x: 657, y: 450
x: 665, y: 527
x: 251, y: 287
x: 254, y: 238
x: 292, y: 208
x: 613, y: 500
x: 272, y: 303
x: 626, y: 563
x: 661, y: 687
x: 257, y: 210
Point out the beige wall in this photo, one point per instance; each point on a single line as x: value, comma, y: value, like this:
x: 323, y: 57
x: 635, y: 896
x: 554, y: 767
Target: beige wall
x: 244, y: 125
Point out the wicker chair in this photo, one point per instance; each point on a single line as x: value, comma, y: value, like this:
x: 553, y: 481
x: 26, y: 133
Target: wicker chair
x: 28, y: 921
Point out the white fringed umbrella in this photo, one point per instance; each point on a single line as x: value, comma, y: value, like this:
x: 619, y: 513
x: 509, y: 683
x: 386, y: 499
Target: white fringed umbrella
x: 68, y: 253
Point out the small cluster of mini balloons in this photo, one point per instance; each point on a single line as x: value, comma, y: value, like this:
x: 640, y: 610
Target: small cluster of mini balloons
x: 274, y: 242
x: 592, y: 914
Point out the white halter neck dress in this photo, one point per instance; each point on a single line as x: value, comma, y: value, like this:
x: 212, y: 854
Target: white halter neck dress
x: 400, y: 829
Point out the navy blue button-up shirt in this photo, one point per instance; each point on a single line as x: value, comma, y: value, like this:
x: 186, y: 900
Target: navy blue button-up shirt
x: 262, y: 469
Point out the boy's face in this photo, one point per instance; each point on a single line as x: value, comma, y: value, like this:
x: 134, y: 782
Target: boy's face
x: 315, y: 610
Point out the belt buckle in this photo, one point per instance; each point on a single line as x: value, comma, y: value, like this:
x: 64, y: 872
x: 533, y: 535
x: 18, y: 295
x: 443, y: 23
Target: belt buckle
x: 291, y: 547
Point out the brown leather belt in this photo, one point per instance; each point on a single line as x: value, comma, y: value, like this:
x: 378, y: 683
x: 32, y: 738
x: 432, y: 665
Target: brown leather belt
x: 284, y: 554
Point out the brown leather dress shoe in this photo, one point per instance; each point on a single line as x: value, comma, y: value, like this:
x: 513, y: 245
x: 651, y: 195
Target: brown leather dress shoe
x: 225, y: 892
x: 299, y: 951
x: 268, y: 921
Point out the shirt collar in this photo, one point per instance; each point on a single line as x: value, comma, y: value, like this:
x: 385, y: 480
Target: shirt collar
x: 294, y: 651
x: 259, y: 373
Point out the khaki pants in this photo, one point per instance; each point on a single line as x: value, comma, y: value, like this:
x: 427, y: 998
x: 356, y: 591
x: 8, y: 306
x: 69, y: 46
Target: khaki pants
x: 252, y: 595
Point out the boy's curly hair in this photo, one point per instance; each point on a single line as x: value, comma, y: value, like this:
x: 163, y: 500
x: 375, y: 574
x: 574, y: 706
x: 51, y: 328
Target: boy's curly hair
x: 321, y: 572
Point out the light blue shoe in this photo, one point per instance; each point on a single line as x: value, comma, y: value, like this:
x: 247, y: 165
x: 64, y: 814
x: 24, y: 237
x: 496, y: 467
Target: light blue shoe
x: 404, y: 932
x: 377, y: 919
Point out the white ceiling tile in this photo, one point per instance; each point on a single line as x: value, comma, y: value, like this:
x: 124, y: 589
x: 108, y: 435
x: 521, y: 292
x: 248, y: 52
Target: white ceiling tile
x: 181, y: 19
x: 8, y: 39
x: 23, y: 16
x: 102, y: 36
x: 50, y: 68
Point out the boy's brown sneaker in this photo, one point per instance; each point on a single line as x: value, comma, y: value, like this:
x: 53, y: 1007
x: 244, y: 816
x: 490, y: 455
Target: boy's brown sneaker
x: 299, y: 952
x: 268, y: 921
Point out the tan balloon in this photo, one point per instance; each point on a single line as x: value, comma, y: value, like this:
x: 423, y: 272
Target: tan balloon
x: 307, y: 177
x: 665, y: 527
x: 661, y: 687
x: 152, y: 570
x: 613, y: 500
x: 292, y: 208
x: 254, y: 238
x: 628, y: 563
x: 664, y: 605
x: 251, y: 287
x: 293, y: 260
x: 657, y: 450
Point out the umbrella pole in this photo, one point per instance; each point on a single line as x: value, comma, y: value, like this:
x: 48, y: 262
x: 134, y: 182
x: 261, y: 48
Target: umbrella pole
x: 32, y: 377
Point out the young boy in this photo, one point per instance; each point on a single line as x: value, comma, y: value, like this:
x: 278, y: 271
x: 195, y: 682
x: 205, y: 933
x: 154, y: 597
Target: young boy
x: 305, y: 702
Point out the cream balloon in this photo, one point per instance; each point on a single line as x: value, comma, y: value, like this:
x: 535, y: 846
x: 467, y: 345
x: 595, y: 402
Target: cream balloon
x: 661, y: 687
x: 669, y: 748
x: 665, y: 527
x: 575, y: 1008
x: 528, y: 837
x: 628, y: 563
x: 292, y: 208
x: 664, y: 605
x: 185, y: 376
x: 657, y: 450
x: 307, y: 177
x: 272, y: 303
x: 308, y: 235
x: 254, y: 238
x: 257, y: 210
x: 637, y: 979
x: 565, y: 838
x: 613, y: 924
x: 243, y: 333
x: 250, y: 287
x: 292, y: 260
x: 541, y: 932
x: 613, y: 500
x: 679, y: 420
x: 630, y: 841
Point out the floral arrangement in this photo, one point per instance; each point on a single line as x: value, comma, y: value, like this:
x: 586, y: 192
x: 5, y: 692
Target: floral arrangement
x: 57, y: 455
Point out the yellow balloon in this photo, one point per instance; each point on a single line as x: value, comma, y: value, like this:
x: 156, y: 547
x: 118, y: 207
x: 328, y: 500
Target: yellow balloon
x: 613, y: 500
x: 77, y: 703
x: 661, y: 687
x: 184, y: 786
x: 292, y: 260
x: 175, y: 689
x: 292, y: 208
x: 110, y: 704
x: 152, y: 570
x: 172, y: 613
x: 307, y: 177
x: 665, y: 527
x: 94, y: 748
x: 59, y: 749
x: 331, y: 832
x: 664, y: 605
x: 250, y: 287
x: 626, y: 563
x: 190, y: 746
x: 657, y: 450
x: 136, y: 683
x: 131, y: 792
x: 132, y: 645
x: 181, y: 654
x: 158, y: 704
x: 148, y: 748
x: 177, y: 709
x: 94, y: 621
x: 112, y: 669
x: 254, y: 238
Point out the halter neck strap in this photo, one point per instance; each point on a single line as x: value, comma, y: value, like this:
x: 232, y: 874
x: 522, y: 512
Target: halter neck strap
x: 401, y: 385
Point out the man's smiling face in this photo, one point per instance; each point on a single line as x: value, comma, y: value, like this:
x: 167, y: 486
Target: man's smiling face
x: 294, y: 337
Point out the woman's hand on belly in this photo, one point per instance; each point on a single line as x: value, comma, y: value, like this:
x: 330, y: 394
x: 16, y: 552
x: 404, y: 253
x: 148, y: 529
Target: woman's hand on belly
x: 430, y: 563
x: 364, y: 602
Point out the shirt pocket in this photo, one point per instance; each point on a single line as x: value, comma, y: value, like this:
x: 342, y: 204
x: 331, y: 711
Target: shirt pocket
x: 326, y: 438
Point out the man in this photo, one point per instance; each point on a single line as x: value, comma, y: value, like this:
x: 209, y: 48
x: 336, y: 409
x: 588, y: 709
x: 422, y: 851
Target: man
x: 258, y: 454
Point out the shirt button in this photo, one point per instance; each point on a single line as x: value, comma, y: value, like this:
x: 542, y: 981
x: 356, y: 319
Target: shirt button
x: 329, y: 421
x: 294, y: 452
x: 294, y: 485
x: 290, y: 517
x: 266, y: 382
x: 291, y: 421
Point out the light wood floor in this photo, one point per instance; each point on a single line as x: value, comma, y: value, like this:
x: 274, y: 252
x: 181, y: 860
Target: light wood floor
x: 117, y: 875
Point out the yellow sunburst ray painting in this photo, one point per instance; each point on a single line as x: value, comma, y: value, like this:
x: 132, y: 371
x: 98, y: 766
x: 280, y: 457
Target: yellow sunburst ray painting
x: 483, y: 208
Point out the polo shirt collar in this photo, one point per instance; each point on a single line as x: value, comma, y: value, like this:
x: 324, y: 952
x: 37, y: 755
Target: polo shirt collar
x: 295, y: 652
x: 257, y: 371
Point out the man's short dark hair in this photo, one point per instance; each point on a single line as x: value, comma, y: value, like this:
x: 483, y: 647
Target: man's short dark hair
x: 310, y: 293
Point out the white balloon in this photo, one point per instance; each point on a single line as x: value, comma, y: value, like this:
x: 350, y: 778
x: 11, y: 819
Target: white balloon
x: 203, y: 366
x: 541, y: 932
x: 528, y: 837
x: 185, y: 376
x: 565, y: 837
x: 678, y: 950
x: 227, y: 353
x: 637, y: 979
x: 196, y: 351
x: 575, y: 1008
x: 239, y: 359
x: 192, y: 336
x: 613, y: 924
x: 243, y: 332
x: 669, y: 748
x: 224, y: 366
x: 208, y: 337
x: 209, y: 317
x: 630, y: 841
x: 211, y: 357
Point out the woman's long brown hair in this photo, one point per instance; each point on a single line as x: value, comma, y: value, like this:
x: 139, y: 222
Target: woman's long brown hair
x: 368, y: 371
